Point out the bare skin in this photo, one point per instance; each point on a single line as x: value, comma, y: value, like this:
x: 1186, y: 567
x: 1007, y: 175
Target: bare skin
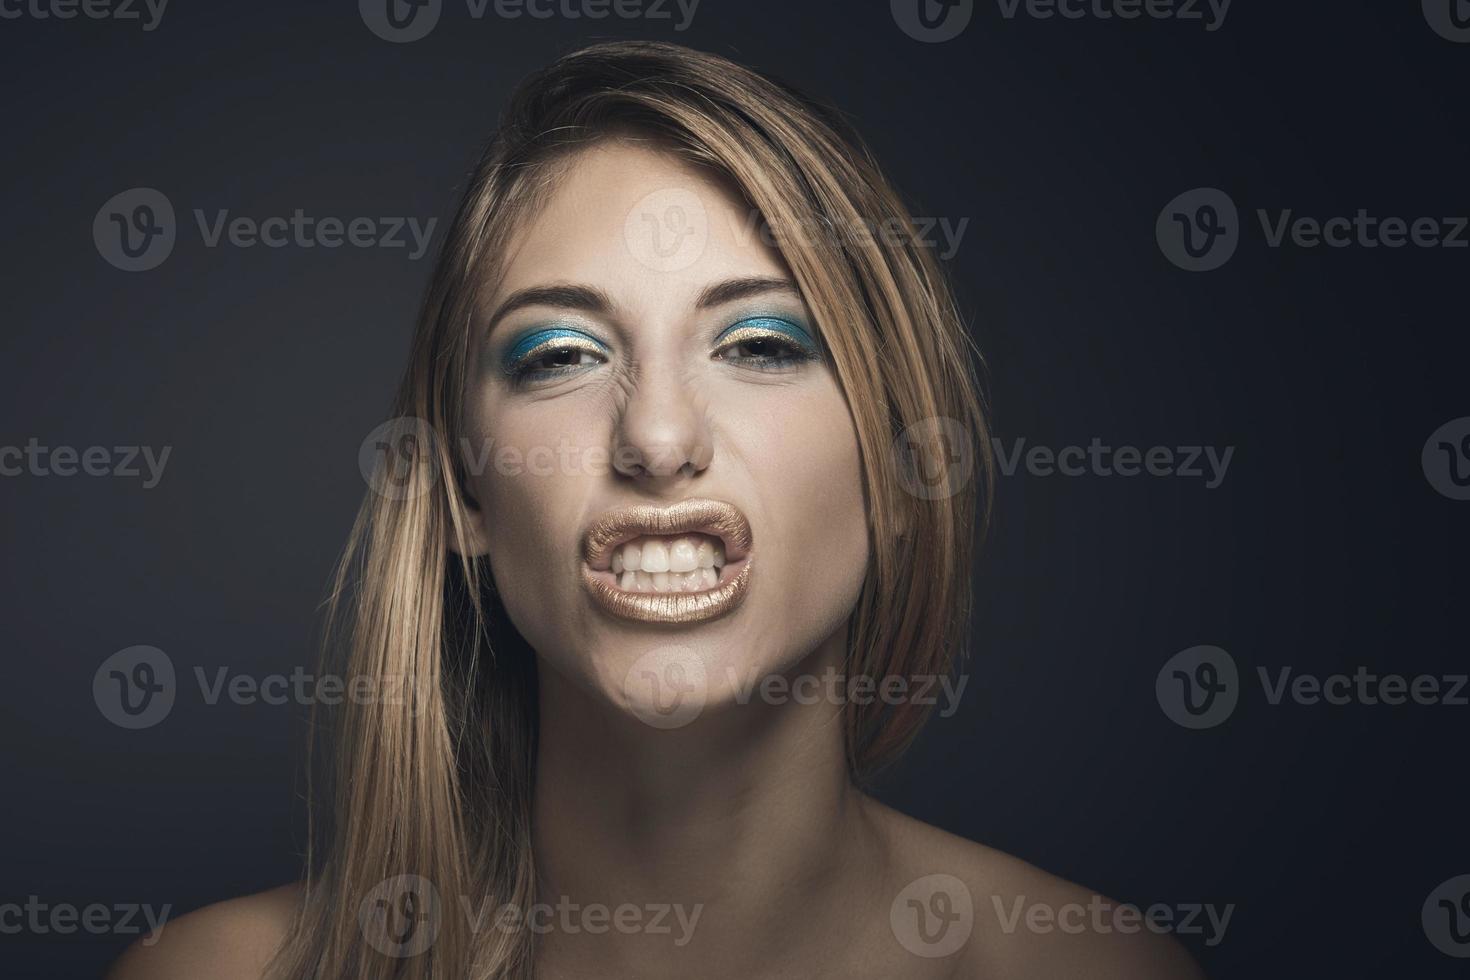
x: 745, y: 818
x: 234, y: 940
x: 755, y: 842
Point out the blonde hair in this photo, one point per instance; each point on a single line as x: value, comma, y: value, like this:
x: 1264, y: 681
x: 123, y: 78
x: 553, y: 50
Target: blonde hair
x: 441, y: 787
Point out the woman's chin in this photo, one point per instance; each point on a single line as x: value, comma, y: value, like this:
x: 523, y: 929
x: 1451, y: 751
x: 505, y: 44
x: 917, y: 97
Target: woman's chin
x: 669, y: 679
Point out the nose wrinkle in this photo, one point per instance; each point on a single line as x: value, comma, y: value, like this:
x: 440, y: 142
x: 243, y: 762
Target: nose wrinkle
x: 661, y: 426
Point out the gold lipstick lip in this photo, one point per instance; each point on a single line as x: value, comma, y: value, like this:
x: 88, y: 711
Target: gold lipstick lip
x: 701, y: 514
x: 670, y: 607
x: 713, y: 517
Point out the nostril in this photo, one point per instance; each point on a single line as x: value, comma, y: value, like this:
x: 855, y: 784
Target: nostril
x: 662, y: 430
x: 628, y: 460
x: 659, y: 460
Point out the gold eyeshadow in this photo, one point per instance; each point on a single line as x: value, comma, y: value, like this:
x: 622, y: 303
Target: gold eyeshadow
x: 792, y: 337
x: 539, y: 343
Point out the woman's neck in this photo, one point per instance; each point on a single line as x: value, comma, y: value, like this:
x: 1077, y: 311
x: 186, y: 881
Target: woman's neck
x: 741, y: 823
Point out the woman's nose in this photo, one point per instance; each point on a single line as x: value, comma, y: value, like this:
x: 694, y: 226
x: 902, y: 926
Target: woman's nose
x: 663, y: 430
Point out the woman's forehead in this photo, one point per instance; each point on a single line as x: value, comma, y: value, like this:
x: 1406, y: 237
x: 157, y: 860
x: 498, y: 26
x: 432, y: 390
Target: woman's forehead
x: 642, y: 225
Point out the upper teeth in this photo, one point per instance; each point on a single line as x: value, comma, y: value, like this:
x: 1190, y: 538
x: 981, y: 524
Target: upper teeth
x: 660, y: 556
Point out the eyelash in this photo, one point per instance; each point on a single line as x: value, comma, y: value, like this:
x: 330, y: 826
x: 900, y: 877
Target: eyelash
x: 521, y: 369
x: 792, y: 352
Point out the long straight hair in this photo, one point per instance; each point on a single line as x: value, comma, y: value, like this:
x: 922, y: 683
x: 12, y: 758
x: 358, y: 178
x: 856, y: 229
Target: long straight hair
x: 437, y: 785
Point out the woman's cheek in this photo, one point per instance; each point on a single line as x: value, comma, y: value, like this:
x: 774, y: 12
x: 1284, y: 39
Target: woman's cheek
x: 527, y: 472
x: 806, y: 467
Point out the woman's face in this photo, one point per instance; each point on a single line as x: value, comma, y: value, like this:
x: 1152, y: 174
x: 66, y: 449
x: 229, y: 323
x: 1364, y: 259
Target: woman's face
x: 647, y: 348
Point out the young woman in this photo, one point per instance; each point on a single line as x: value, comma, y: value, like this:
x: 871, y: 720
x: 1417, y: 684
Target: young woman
x: 679, y: 503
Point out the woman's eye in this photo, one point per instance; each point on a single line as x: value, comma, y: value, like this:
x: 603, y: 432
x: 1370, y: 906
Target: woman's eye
x: 761, y: 348
x: 562, y: 357
x: 769, y: 347
x: 550, y: 353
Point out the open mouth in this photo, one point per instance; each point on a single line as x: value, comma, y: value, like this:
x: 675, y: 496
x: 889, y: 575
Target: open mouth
x: 685, y: 563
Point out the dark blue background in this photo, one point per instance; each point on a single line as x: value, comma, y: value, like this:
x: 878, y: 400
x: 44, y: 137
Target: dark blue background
x: 1324, y: 549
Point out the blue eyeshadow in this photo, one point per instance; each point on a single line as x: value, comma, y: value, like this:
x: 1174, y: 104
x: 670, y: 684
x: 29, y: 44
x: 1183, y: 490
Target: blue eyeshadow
x: 795, y: 331
x: 537, y: 338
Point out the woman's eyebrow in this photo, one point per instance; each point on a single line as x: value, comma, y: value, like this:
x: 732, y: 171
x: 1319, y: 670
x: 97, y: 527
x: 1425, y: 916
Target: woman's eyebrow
x: 589, y: 299
x: 732, y: 289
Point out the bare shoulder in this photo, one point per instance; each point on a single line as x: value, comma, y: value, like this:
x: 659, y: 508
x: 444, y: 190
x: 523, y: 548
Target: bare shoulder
x: 231, y: 940
x: 1007, y: 918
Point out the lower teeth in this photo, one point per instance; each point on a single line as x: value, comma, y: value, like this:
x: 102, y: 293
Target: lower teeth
x: 695, y: 581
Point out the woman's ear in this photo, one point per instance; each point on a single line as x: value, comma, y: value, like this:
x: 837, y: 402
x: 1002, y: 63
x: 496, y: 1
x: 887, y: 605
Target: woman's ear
x: 466, y: 532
